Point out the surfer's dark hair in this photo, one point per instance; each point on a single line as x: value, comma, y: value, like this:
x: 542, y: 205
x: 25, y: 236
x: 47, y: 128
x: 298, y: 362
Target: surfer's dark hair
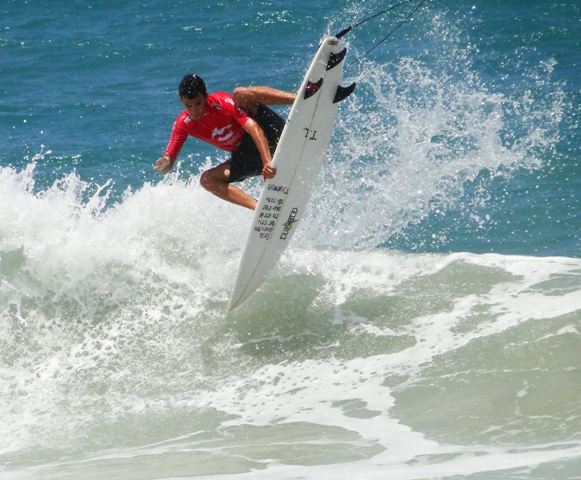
x: 191, y: 86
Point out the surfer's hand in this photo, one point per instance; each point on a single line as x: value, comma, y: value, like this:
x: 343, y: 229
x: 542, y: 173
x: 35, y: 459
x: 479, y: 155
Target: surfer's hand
x: 163, y: 165
x: 268, y: 171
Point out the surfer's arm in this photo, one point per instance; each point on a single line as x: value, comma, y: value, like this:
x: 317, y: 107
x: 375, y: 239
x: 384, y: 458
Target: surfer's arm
x: 257, y: 134
x: 250, y: 97
x: 179, y: 135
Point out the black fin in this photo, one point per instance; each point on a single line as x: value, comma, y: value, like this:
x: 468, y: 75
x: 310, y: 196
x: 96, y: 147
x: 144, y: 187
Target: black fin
x: 336, y: 58
x: 312, y: 88
x: 343, y: 92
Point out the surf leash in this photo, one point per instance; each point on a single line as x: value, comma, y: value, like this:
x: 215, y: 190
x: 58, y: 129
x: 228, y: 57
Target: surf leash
x: 393, y: 30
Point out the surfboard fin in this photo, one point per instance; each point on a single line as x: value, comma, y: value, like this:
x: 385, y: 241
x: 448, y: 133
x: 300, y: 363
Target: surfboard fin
x: 312, y: 88
x: 336, y: 58
x: 343, y: 92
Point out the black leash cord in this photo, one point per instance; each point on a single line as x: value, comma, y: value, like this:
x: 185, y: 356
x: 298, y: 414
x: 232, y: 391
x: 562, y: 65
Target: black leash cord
x: 348, y: 29
x: 351, y: 27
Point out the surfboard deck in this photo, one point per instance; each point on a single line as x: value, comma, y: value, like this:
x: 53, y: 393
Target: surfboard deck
x: 298, y: 158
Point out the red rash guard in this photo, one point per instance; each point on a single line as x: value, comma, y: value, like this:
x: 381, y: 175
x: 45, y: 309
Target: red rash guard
x: 221, y: 125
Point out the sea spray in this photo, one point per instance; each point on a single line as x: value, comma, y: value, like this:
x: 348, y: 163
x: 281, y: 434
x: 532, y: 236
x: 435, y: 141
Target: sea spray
x: 418, y: 137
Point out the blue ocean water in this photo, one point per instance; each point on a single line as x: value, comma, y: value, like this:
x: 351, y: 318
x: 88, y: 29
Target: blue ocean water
x: 426, y: 319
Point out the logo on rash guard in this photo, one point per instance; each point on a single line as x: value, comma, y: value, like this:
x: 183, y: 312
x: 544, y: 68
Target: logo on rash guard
x: 223, y: 134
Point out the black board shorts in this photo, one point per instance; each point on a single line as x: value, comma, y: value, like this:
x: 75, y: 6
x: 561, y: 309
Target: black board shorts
x: 246, y: 161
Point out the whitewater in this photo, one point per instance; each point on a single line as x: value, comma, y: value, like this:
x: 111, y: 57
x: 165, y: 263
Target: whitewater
x: 424, y: 323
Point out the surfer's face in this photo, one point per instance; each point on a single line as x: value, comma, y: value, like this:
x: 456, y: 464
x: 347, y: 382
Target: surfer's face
x: 195, y: 106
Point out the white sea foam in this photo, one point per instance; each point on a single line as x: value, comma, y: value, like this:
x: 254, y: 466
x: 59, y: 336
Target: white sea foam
x: 353, y: 361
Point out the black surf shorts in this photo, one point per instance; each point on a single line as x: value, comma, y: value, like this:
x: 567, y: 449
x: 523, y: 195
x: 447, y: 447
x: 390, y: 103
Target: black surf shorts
x: 246, y: 161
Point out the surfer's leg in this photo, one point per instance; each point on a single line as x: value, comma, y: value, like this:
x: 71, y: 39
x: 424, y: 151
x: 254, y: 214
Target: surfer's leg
x: 250, y: 97
x: 215, y: 180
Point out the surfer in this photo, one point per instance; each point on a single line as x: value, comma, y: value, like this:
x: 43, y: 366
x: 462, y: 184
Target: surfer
x: 240, y: 123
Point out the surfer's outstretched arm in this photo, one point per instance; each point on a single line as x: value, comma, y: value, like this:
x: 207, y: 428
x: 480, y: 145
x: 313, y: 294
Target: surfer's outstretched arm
x: 250, y: 97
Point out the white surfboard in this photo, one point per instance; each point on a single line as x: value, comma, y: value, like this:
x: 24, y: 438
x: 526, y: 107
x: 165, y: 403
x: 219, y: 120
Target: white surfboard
x: 298, y: 159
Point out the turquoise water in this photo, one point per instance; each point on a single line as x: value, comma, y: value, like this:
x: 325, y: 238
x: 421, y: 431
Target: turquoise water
x: 424, y: 323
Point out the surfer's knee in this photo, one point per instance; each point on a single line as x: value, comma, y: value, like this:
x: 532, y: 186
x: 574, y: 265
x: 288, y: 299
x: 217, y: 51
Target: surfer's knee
x: 215, y: 178
x: 244, y: 97
x: 208, y: 180
x: 239, y: 94
x: 204, y: 178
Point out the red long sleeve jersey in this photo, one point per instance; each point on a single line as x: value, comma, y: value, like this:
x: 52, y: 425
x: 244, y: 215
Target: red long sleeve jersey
x: 221, y: 125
